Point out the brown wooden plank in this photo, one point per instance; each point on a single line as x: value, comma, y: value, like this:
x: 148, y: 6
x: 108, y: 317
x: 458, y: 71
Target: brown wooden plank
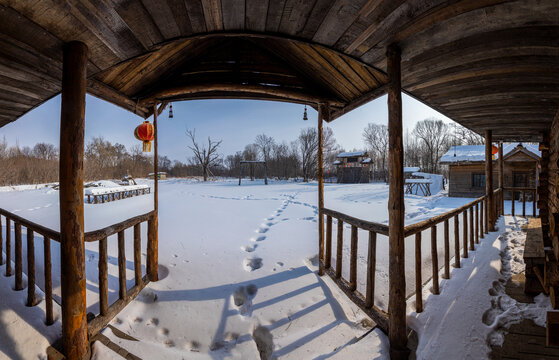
x: 456, y: 242
x: 103, y: 274
x: 256, y: 13
x: 121, y: 266
x: 371, y: 269
x: 418, y: 278
x: 18, y: 257
x: 233, y: 14
x: 181, y: 16
x: 472, y: 234
x: 213, y: 14
x: 328, y: 255
x: 435, y: 260
x: 446, y: 251
x: 339, y: 248
x: 465, y: 232
x: 294, y: 16
x: 163, y: 17
x: 273, y: 18
x: 137, y: 255
x: 353, y: 259
x: 138, y: 19
x: 340, y: 16
x: 48, y: 281
x: 8, y: 247
x: 31, y: 300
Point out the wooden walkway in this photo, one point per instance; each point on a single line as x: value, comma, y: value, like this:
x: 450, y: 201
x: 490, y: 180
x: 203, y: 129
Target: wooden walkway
x: 525, y: 340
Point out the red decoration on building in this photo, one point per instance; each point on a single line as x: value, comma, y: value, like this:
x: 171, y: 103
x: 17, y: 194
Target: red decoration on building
x: 494, y: 149
x: 145, y: 133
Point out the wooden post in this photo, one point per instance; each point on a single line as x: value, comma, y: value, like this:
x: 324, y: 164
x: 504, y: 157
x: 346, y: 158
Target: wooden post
x: 323, y: 113
x: 8, y: 247
x: 371, y: 269
x: 477, y: 225
x: 534, y: 199
x: 48, y: 281
x: 435, y: 260
x: 137, y: 255
x: 339, y: 248
x: 456, y: 242
x: 481, y: 212
x: 465, y: 232
x: 353, y: 259
x: 121, y: 266
x: 1, y: 244
x: 30, y: 268
x: 418, y: 279
x: 153, y: 225
x: 397, y: 280
x: 328, y: 256
x: 18, y: 257
x: 240, y: 172
x: 265, y: 173
x: 72, y: 253
x: 472, y: 247
x: 446, y: 251
x: 501, y: 178
x: 489, y: 179
x: 523, y: 203
x: 103, y: 281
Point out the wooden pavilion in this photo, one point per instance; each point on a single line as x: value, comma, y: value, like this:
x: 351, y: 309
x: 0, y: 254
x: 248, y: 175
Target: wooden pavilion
x: 491, y: 65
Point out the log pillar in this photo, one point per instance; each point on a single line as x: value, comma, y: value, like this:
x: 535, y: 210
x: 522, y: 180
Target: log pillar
x: 489, y: 179
x: 397, y: 280
x: 72, y: 252
x: 153, y: 238
x: 501, y: 179
x: 323, y: 113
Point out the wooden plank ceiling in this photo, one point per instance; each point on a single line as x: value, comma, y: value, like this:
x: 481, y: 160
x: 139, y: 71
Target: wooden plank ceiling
x: 488, y: 64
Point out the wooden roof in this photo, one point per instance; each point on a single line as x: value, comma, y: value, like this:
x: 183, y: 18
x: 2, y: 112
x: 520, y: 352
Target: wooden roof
x: 488, y: 64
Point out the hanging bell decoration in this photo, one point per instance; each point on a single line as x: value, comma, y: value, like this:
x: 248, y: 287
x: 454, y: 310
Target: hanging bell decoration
x: 170, y: 111
x: 145, y: 133
x: 305, y: 117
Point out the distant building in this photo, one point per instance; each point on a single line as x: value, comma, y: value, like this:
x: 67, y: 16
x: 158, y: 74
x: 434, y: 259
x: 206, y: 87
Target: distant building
x: 353, y: 167
x: 467, y: 168
x: 161, y: 175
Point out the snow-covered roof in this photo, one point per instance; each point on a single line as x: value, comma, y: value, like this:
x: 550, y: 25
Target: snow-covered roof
x: 337, y: 162
x: 411, y: 169
x: 476, y: 153
x: 366, y: 161
x: 352, y: 154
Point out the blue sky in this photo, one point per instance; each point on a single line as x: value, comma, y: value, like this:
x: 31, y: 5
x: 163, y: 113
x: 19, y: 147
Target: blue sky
x: 236, y: 122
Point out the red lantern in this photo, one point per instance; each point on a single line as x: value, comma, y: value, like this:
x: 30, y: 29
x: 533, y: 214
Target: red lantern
x: 494, y: 149
x: 145, y: 132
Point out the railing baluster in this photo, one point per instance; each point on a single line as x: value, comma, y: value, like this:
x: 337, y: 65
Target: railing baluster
x: 30, y: 268
x: 446, y: 251
x: 8, y: 247
x: 339, y: 248
x: 1, y: 244
x: 472, y: 247
x: 523, y: 203
x: 486, y: 214
x: 513, y: 203
x: 534, y: 199
x: 477, y: 224
x: 19, y: 258
x: 328, y: 256
x: 465, y: 232
x: 137, y: 255
x: 371, y: 269
x: 418, y: 280
x: 121, y: 266
x: 103, y: 272
x: 48, y: 281
x: 481, y: 233
x: 435, y: 260
x: 456, y: 242
x: 353, y: 259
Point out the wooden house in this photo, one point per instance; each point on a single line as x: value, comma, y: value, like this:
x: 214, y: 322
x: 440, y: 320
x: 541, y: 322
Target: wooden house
x: 353, y: 167
x: 466, y: 165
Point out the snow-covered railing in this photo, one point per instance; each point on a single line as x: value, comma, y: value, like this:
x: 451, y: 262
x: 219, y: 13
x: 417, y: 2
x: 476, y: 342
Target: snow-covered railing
x: 108, y: 312
x: 478, y: 225
x: 97, y: 195
x: 523, y: 191
x: 366, y: 303
x: 125, y: 295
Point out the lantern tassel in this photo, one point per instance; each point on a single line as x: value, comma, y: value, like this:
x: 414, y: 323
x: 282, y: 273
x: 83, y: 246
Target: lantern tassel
x: 147, y: 146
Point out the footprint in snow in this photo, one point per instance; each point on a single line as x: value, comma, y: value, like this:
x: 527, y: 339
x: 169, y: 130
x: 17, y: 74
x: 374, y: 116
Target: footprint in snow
x: 258, y: 238
x: 242, y: 298
x: 263, y: 230
x: 251, y: 264
x: 249, y: 248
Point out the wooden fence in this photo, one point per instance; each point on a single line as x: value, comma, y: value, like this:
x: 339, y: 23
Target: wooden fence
x: 107, y: 312
x: 115, y: 195
x: 474, y: 226
x: 523, y: 191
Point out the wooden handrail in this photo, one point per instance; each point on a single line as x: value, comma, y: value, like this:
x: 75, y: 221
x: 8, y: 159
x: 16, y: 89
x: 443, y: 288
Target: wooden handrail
x: 362, y: 224
x: 426, y: 224
x: 519, y: 188
x: 97, y: 235
x: 45, y: 231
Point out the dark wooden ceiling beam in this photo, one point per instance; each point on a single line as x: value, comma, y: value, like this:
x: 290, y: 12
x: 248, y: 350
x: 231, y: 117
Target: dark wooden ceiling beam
x: 102, y: 91
x: 139, y: 21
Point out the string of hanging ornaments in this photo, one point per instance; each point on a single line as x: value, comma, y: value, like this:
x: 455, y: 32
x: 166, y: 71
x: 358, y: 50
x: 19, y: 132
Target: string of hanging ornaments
x: 305, y: 117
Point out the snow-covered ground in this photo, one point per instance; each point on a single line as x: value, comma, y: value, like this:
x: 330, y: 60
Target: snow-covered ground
x: 237, y: 267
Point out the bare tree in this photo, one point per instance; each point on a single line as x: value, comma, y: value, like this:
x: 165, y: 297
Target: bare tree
x: 434, y: 134
x: 376, y: 138
x: 265, y: 145
x: 465, y: 136
x: 205, y: 157
x: 308, y: 145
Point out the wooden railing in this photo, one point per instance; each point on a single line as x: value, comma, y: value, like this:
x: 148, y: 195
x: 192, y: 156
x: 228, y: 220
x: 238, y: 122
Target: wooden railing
x: 474, y: 226
x: 524, y: 191
x: 115, y: 195
x: 107, y: 312
x: 366, y: 303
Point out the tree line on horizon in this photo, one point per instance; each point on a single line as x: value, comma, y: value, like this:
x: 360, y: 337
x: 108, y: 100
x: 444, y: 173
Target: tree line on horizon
x: 423, y: 147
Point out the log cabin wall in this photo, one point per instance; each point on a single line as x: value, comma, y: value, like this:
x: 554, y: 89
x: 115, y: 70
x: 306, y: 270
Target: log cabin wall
x: 549, y: 211
x: 461, y: 175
